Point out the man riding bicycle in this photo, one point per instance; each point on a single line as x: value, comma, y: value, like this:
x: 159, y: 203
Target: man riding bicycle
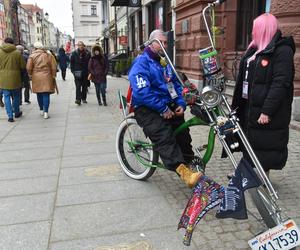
x: 159, y: 108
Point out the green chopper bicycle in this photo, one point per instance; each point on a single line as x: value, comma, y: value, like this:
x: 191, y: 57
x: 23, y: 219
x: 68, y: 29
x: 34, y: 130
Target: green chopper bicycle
x: 210, y: 108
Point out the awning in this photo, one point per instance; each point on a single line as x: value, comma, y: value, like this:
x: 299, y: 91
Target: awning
x: 120, y: 3
x: 129, y: 3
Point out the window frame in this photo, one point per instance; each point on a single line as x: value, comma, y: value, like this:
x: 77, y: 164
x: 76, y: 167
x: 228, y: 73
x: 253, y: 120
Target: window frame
x: 247, y: 11
x: 93, y: 10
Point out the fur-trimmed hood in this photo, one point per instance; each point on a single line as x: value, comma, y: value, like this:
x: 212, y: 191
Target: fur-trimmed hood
x: 97, y: 47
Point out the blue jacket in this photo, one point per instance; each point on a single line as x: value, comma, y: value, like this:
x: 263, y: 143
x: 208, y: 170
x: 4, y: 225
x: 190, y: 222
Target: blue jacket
x: 149, y: 86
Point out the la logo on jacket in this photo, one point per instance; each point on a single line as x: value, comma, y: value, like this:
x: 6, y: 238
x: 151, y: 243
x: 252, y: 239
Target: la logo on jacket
x: 264, y: 62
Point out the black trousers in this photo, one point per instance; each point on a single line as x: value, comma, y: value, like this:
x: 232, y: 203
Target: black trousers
x: 63, y: 74
x: 173, y: 150
x: 26, y: 86
x: 81, y: 89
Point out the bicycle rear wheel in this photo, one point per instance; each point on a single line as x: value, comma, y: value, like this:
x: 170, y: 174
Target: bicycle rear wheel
x: 267, y: 208
x: 134, y: 151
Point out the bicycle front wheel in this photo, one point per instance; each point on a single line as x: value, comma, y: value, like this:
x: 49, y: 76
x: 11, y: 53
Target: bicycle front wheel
x: 134, y: 150
x: 267, y: 208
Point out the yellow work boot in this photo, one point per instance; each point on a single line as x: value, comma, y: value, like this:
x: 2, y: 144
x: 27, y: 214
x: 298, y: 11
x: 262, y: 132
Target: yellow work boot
x: 187, y: 175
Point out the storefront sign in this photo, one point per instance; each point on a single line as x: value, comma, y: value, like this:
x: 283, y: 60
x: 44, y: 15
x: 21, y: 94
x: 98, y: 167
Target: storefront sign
x: 123, y: 40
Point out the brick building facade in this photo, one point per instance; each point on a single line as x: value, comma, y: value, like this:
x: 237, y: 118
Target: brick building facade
x: 235, y: 18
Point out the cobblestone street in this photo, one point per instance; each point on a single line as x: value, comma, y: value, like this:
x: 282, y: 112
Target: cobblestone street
x: 62, y: 187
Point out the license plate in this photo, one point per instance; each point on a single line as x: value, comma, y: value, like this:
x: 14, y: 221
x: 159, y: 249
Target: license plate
x: 281, y: 237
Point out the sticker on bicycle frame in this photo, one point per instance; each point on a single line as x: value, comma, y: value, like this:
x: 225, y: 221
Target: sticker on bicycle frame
x: 281, y: 237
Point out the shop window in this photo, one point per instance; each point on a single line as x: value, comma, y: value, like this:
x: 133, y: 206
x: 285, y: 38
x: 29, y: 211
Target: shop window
x: 140, y: 27
x: 155, y: 16
x: 133, y: 32
x: 158, y: 15
x: 268, y: 5
x: 247, y: 11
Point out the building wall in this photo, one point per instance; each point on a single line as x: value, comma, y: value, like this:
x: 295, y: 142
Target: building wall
x: 24, y: 27
x: 288, y: 13
x: 2, y: 23
x: 87, y: 25
x: 191, y: 36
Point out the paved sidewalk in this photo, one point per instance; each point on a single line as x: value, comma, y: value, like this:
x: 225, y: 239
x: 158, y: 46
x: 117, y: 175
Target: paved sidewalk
x: 61, y: 187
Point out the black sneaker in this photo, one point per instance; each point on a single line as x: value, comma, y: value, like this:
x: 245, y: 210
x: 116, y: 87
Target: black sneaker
x: 18, y: 115
x: 1, y: 104
x: 11, y: 120
x: 77, y: 102
x: 28, y: 102
x: 84, y: 101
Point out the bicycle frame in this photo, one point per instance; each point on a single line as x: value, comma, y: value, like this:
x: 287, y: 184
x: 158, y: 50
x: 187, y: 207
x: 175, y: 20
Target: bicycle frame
x: 194, y: 121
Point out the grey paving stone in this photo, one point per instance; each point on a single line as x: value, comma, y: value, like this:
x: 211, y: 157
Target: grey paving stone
x: 105, y: 191
x: 30, y: 145
x: 91, y: 174
x: 28, y: 186
x: 88, y: 160
x: 114, y: 217
x: 98, y: 148
x: 29, y: 236
x: 34, y: 164
x: 29, y: 154
x: 35, y: 137
x: 9, y: 174
x: 158, y: 239
x: 39, y: 123
x: 38, y: 130
x: 89, y: 139
x: 27, y: 208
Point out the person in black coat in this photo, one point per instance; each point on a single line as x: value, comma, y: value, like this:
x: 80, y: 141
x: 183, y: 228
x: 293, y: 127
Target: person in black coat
x: 264, y: 92
x: 79, y: 67
x: 63, y: 61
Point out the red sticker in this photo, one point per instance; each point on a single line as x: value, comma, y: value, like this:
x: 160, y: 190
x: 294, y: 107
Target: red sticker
x: 264, y: 62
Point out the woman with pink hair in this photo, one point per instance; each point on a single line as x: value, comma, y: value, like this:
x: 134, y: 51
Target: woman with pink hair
x: 264, y: 92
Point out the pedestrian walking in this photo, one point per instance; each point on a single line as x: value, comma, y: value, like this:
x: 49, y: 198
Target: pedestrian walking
x: 264, y: 92
x: 98, y: 69
x: 24, y: 77
x: 63, y: 61
x: 41, y: 66
x: 11, y: 65
x: 79, y: 67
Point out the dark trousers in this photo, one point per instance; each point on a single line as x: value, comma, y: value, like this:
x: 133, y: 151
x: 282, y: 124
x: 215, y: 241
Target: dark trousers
x: 101, y: 88
x: 81, y: 89
x: 63, y: 74
x: 26, y: 93
x: 173, y: 150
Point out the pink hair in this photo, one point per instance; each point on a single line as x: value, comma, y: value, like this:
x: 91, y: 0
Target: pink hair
x: 264, y: 29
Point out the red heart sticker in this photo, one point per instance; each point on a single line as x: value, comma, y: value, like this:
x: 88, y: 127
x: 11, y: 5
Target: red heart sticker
x: 264, y: 62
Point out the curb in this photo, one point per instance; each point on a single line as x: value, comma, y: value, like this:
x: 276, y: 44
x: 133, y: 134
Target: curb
x: 295, y: 125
